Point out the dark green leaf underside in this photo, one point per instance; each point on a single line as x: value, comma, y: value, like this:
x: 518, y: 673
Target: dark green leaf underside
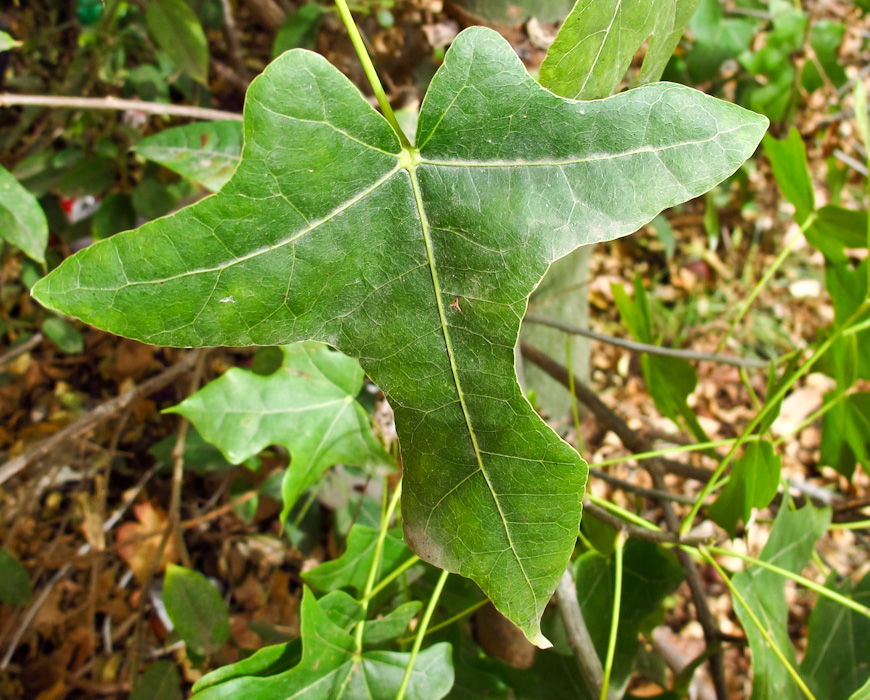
x: 420, y: 264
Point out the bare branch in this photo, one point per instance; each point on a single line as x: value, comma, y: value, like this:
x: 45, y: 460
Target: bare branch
x: 116, y: 103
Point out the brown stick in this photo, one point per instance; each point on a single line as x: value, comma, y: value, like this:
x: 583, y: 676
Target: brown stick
x: 267, y: 12
x: 91, y: 420
x: 19, y: 350
x: 10, y: 100
x: 658, y: 536
x: 656, y: 468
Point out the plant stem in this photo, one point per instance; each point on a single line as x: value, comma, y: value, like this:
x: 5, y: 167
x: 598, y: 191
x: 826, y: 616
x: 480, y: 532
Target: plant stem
x: 421, y: 632
x: 369, y: 68
x: 375, y: 565
x: 574, y: 405
x: 858, y: 525
x: 116, y: 103
x: 450, y: 620
x: 614, y: 620
x: 387, y: 580
x: 764, y: 633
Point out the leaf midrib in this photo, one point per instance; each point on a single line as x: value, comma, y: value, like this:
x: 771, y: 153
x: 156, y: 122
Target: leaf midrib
x: 442, y: 314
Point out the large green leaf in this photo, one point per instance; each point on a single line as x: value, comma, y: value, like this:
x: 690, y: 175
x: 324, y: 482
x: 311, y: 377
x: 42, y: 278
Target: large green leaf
x: 307, y: 405
x: 599, y: 38
x: 837, y: 662
x: 789, y: 546
x: 331, y: 670
x: 22, y: 221
x: 207, y: 153
x: 419, y: 262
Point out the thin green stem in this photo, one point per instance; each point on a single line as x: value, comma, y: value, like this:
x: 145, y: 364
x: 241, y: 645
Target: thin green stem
x: 450, y: 620
x: 574, y: 411
x: 392, y: 576
x: 810, y: 419
x: 857, y: 525
x: 421, y: 632
x: 698, y: 447
x: 765, y: 278
x: 375, y: 565
x: 369, y: 68
x: 626, y: 515
x: 797, y: 578
x: 770, y: 402
x: 764, y: 633
x: 614, y: 620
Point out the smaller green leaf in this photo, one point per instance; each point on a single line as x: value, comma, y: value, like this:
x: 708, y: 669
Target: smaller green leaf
x: 717, y: 39
x: 299, y: 30
x: 115, y: 214
x: 89, y: 177
x: 197, y: 610
x: 788, y: 160
x: 176, y: 29
x: 753, y: 484
x: 15, y: 588
x: 351, y: 569
x: 837, y: 660
x: 825, y: 38
x: 64, y: 335
x: 846, y: 435
x: 391, y: 625
x: 160, y: 682
x: 22, y: 221
x: 207, y: 153
x: 200, y: 456
x: 8, y: 42
x: 863, y: 693
x: 837, y: 229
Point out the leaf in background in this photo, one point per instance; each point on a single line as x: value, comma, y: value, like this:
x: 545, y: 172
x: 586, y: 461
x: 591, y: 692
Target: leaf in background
x: 420, y: 263
x: 160, y: 682
x: 207, y: 153
x: 8, y: 42
x: 836, y: 229
x: 597, y: 41
x: 331, y: 670
x: 22, y: 221
x: 391, y: 625
x: 176, y: 29
x: 116, y: 214
x: 788, y: 160
x: 863, y: 693
x: 753, y: 484
x: 846, y: 435
x: 15, y: 587
x: 308, y: 406
x: 789, y: 546
x: 64, y: 335
x: 825, y: 38
x: 200, y: 456
x: 197, y: 610
x: 299, y: 30
x: 351, y: 569
x: 837, y: 660
x: 717, y: 39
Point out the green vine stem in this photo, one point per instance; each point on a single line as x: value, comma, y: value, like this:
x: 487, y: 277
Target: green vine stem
x: 764, y: 633
x: 421, y: 632
x: 369, y: 68
x: 387, y: 580
x: 376, y: 561
x: 614, y: 620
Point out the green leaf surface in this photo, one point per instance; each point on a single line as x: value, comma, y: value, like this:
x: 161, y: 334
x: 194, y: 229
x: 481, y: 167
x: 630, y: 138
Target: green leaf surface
x: 197, y: 610
x: 176, y: 29
x: 419, y: 262
x: 788, y: 160
x: 330, y: 670
x: 351, y: 569
x: 8, y: 42
x: 22, y: 221
x: 200, y: 456
x: 299, y: 30
x: 717, y: 39
x: 789, y: 546
x: 826, y: 35
x: 207, y: 153
x: 596, y: 43
x: 753, y: 484
x: 15, y: 587
x: 837, y: 662
x: 160, y: 682
x: 308, y: 406
x: 64, y: 335
x: 863, y: 693
x: 846, y: 435
x: 837, y: 229
x: 391, y: 625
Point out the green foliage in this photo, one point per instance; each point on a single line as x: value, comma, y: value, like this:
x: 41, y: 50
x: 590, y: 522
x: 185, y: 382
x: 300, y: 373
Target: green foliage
x: 432, y: 253
x: 789, y: 546
x: 160, y: 682
x: 299, y: 30
x: 207, y: 153
x: 22, y: 222
x: 307, y: 406
x: 8, y: 42
x: 329, y: 668
x: 15, y: 587
x: 197, y: 610
x: 788, y: 159
x: 176, y: 29
x: 753, y: 484
x: 64, y: 335
x: 846, y: 435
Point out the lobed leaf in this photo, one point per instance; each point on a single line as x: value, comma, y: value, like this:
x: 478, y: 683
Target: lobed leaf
x: 420, y: 262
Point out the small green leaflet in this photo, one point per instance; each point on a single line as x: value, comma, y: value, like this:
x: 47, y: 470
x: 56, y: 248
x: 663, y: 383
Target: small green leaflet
x: 15, y: 586
x: 419, y: 262
x: 22, y: 222
x: 330, y: 670
x: 197, y: 610
x: 307, y: 405
x: 207, y: 153
x: 175, y: 28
